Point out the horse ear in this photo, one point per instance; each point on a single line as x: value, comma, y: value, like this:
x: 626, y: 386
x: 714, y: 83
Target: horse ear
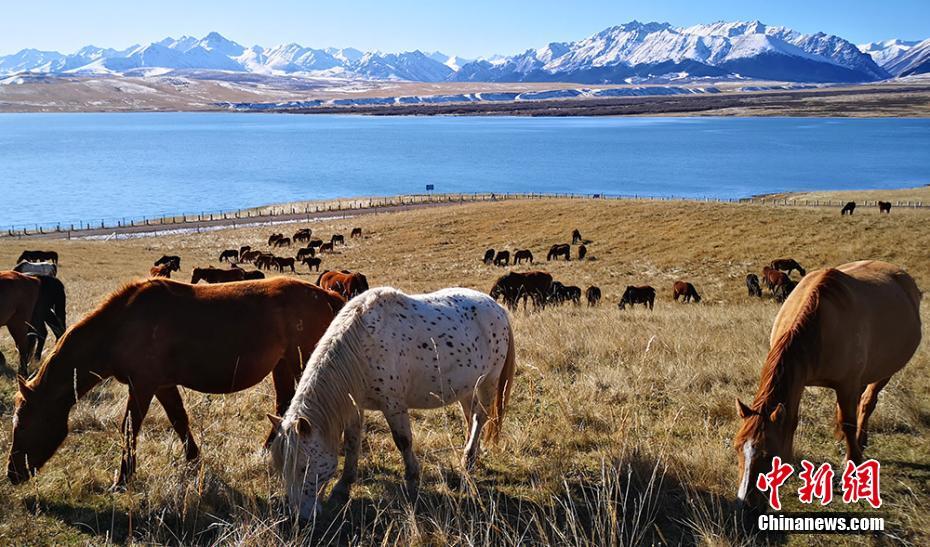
x: 275, y: 421
x: 303, y: 426
x: 743, y: 410
x: 778, y: 415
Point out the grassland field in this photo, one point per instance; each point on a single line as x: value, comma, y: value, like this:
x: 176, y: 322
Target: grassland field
x: 621, y: 422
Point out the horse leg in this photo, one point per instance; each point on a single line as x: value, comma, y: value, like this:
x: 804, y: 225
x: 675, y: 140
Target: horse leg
x: 136, y: 408
x: 399, y: 422
x: 485, y: 396
x: 283, y: 377
x: 866, y: 407
x: 847, y: 401
x: 170, y: 399
x: 351, y: 445
x: 19, y: 330
x: 39, y: 333
x: 466, y: 403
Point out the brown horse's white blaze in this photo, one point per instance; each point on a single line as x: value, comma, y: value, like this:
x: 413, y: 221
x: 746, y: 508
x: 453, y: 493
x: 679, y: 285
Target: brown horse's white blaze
x: 158, y: 334
x: 390, y: 352
x: 848, y: 329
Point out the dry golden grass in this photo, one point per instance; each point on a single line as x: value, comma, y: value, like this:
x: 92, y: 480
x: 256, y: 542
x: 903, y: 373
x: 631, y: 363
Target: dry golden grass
x: 621, y: 423
x: 916, y: 194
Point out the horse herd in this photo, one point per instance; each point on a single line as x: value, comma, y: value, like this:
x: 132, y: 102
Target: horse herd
x: 382, y: 350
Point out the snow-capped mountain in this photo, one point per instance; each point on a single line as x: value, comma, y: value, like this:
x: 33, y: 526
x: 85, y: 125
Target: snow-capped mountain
x: 887, y: 51
x: 915, y: 61
x: 631, y: 52
x: 649, y: 50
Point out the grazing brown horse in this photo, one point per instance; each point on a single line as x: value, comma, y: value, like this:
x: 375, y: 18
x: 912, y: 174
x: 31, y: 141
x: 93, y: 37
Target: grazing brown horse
x: 523, y: 255
x: 244, y: 249
x: 752, y: 285
x: 264, y: 261
x: 282, y: 242
x: 787, y: 265
x: 348, y: 284
x: 19, y: 294
x: 582, y: 252
x: 229, y: 255
x: 249, y: 256
x: 643, y: 294
x: 313, y: 263
x: 173, y: 260
x: 216, y: 275
x: 502, y: 258
x: 884, y: 207
x: 280, y: 263
x: 338, y: 238
x: 593, y: 294
x: 782, y: 291
x: 849, y: 329
x: 774, y: 278
x: 489, y: 256
x: 356, y: 232
x: 153, y: 336
x: 569, y: 293
x: 303, y: 234
x: 848, y: 208
x: 315, y: 243
x: 528, y: 285
x: 160, y: 271
x: 560, y: 249
x: 326, y: 248
x: 38, y: 256
x: 686, y: 291
x: 576, y: 236
x: 274, y: 238
x: 304, y: 252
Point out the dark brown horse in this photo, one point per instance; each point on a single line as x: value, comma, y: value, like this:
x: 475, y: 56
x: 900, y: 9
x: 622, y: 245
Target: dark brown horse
x: 282, y: 242
x: 593, y: 294
x: 502, y: 258
x: 338, y: 238
x: 304, y: 252
x: 523, y: 255
x: 643, y: 294
x: 489, y: 256
x: 251, y: 275
x: 304, y: 234
x: 326, y: 248
x: 686, y: 291
x: 576, y: 236
x: 582, y: 252
x: 356, y: 232
x: 156, y: 335
x: 273, y: 238
x: 348, y: 284
x: 249, y: 256
x: 313, y: 262
x: 560, y: 249
x: 281, y: 263
x: 38, y: 256
x: 570, y: 293
x: 244, y: 249
x: 848, y: 208
x: 787, y: 265
x: 528, y: 285
x: 229, y: 255
x: 173, y: 260
x: 752, y: 285
x: 884, y: 207
x: 782, y: 291
x: 315, y: 243
x: 216, y: 275
x: 264, y: 261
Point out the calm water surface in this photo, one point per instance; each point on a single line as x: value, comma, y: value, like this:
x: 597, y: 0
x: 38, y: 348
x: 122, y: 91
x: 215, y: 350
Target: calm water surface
x: 71, y: 167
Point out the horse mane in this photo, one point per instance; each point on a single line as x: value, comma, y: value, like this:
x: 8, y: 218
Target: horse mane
x: 798, y: 346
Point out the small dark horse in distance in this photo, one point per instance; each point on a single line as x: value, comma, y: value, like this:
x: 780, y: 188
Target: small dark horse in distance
x: 273, y: 238
x: 229, y: 255
x: 38, y: 256
x: 752, y: 285
x: 643, y: 294
x: 304, y: 252
x: 489, y: 256
x: 582, y: 252
x: 173, y: 260
x: 338, y: 238
x: 282, y: 242
x: 216, y: 275
x: 304, y: 234
x: 576, y: 236
x: 560, y: 249
x: 686, y: 291
x: 356, y: 232
x: 848, y: 208
x: 502, y: 258
x: 884, y: 207
x: 593, y: 294
x: 787, y: 265
x: 529, y: 285
x: 313, y: 263
x: 523, y: 255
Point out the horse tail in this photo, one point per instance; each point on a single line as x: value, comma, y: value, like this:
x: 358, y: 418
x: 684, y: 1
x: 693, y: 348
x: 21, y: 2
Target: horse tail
x: 320, y: 277
x: 504, y: 384
x: 53, y: 302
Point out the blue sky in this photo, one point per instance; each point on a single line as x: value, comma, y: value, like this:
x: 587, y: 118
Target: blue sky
x: 471, y: 28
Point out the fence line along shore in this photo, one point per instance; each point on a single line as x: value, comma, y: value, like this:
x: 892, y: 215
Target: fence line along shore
x: 342, y: 208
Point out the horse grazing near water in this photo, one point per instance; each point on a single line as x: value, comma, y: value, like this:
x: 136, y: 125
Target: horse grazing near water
x: 151, y: 336
x: 390, y: 352
x: 884, y: 207
x: 643, y: 294
x: 502, y: 258
x: 523, y: 255
x: 489, y: 256
x: 229, y: 255
x: 850, y: 329
x: 560, y: 249
x: 752, y: 285
x: 27, y: 304
x: 593, y: 294
x: 173, y: 260
x: 216, y: 275
x: 787, y: 265
x: 848, y: 208
x: 348, y: 284
x: 37, y: 268
x: 38, y: 256
x: 527, y: 285
x: 686, y: 291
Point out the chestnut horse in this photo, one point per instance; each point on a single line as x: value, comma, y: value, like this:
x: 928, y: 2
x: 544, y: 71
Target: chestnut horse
x: 849, y: 329
x: 348, y: 284
x: 685, y: 290
x: 787, y: 265
x: 27, y: 304
x: 157, y: 334
x: 774, y: 278
x: 216, y: 275
x: 643, y: 294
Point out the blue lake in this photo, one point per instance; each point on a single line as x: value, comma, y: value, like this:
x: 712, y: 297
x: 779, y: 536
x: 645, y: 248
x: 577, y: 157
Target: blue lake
x: 72, y: 167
